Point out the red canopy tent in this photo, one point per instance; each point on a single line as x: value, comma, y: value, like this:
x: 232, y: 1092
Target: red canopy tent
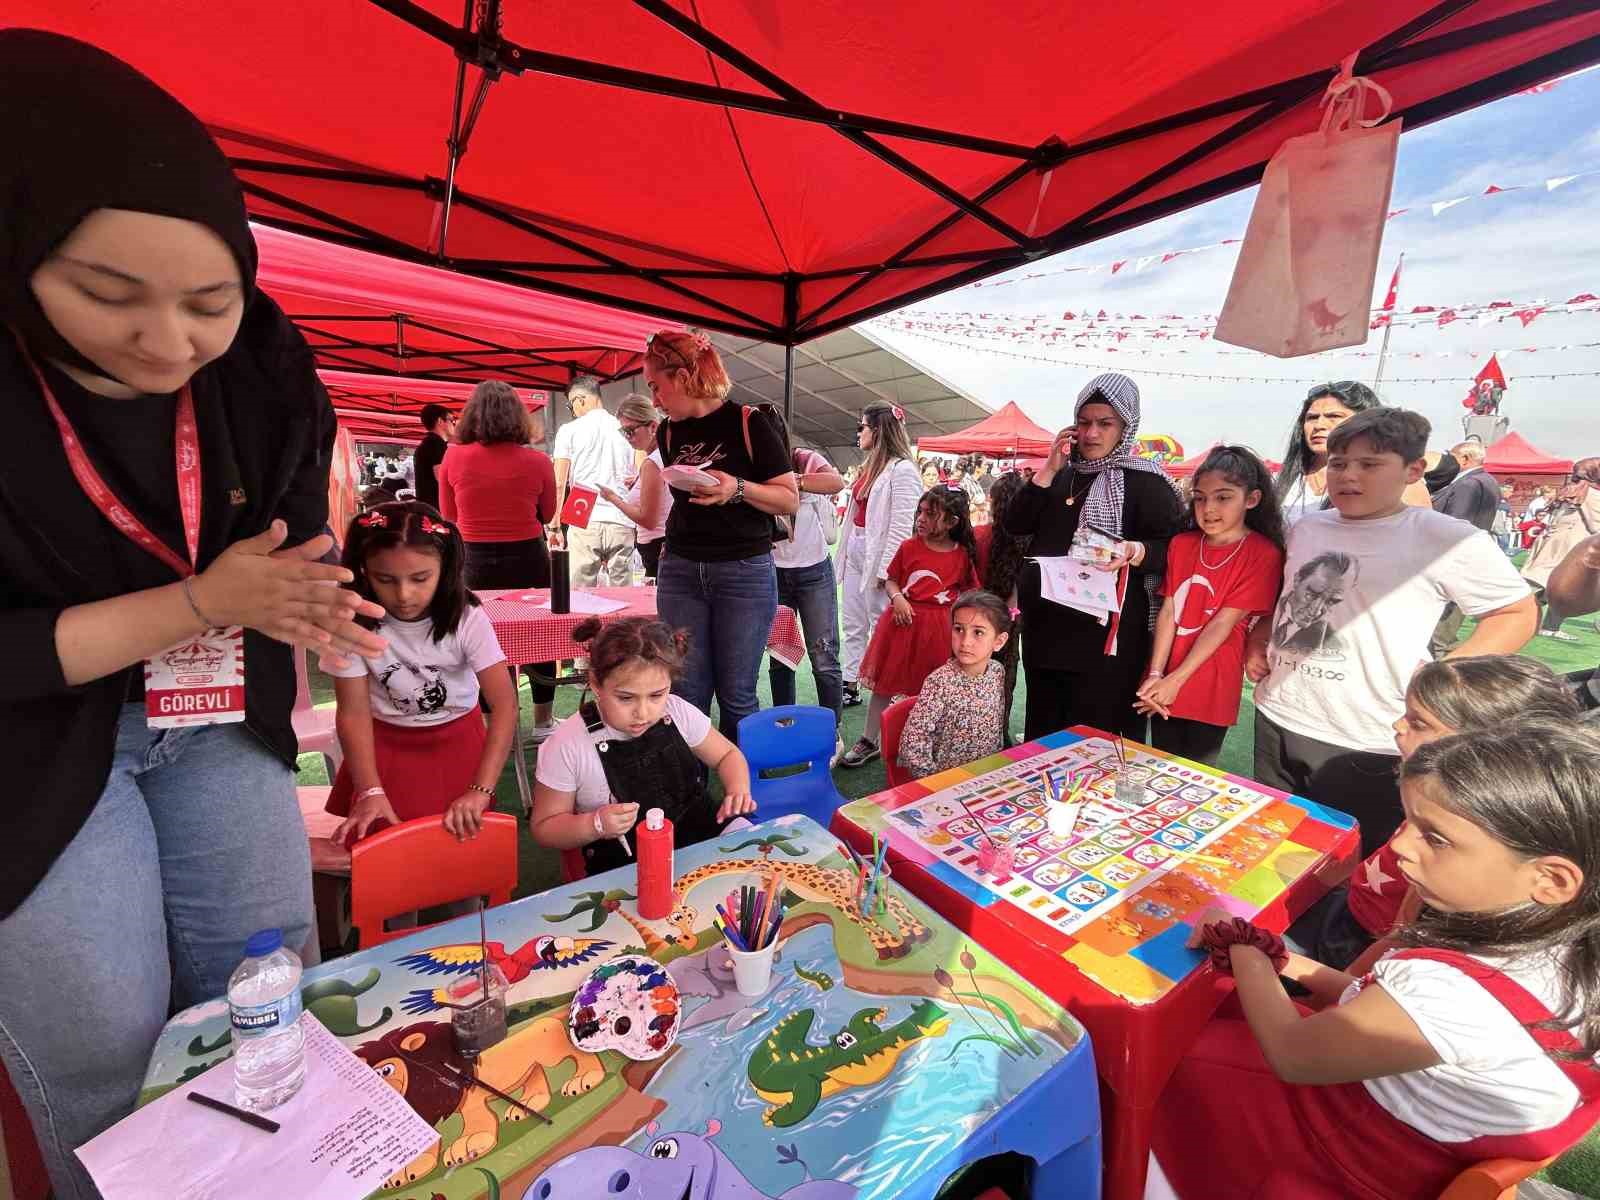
x: 364, y: 312
x: 1005, y: 433
x: 1515, y: 455
x: 384, y: 407
x: 783, y: 170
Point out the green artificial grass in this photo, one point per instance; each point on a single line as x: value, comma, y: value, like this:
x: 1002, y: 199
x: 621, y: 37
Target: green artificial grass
x: 538, y: 869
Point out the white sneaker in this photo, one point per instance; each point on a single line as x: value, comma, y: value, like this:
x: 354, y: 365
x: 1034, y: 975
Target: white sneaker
x: 838, y: 752
x: 541, y: 731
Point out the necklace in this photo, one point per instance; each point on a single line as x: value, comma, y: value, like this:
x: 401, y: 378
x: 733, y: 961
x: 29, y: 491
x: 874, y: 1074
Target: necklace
x: 1231, y: 555
x: 1074, y: 497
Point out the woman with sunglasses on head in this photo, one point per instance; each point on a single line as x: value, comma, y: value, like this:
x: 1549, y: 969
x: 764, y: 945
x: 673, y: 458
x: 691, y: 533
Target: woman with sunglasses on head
x: 164, y: 482
x: 717, y: 580
x: 879, y: 514
x: 648, y: 500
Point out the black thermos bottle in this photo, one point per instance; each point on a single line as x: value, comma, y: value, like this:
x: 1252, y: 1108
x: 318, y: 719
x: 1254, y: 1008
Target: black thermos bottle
x: 560, y: 583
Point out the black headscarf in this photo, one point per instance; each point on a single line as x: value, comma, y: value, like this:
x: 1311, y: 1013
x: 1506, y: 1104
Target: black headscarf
x: 85, y: 131
x: 1442, y: 474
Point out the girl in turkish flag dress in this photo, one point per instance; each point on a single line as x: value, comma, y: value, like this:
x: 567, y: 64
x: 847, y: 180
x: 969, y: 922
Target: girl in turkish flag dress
x: 1475, y: 1041
x: 912, y: 637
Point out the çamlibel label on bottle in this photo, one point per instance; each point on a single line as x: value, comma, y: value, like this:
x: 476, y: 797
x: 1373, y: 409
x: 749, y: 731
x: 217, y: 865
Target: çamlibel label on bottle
x: 255, y: 1020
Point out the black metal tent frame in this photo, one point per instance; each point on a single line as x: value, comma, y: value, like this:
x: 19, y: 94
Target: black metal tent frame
x: 545, y: 367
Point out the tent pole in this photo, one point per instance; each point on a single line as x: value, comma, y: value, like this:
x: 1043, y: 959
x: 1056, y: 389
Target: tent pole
x: 788, y: 386
x: 454, y: 143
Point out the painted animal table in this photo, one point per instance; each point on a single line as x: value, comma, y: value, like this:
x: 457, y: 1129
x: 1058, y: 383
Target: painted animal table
x: 885, y: 1054
x: 1099, y: 917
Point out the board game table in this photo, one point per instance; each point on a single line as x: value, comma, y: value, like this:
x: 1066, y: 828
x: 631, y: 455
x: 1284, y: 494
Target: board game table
x: 1099, y: 919
x: 885, y: 1054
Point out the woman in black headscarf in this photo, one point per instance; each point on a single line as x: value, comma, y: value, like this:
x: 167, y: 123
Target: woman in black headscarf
x: 167, y: 441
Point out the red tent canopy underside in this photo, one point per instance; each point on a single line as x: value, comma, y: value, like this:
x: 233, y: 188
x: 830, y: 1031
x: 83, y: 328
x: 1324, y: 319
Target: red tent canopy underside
x: 784, y: 170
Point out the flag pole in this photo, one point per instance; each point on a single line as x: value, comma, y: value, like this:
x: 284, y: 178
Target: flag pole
x: 1388, y: 318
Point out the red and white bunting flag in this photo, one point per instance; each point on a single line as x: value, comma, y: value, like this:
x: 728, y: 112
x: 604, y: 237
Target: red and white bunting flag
x: 1439, y: 206
x: 1387, y: 310
x: 1551, y: 185
x: 1447, y: 316
x: 1529, y: 315
x: 1118, y: 265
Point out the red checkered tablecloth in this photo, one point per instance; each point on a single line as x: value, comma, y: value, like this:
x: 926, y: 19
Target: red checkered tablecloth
x: 530, y: 634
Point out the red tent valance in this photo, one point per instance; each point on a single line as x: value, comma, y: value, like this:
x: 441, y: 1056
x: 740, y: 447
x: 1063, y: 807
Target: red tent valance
x: 365, y: 312
x: 1004, y: 433
x: 1515, y: 455
x: 782, y: 170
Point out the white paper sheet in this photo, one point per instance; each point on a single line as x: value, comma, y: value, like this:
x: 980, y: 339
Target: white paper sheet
x: 589, y: 604
x: 342, y: 1135
x: 1074, y: 584
x: 685, y: 478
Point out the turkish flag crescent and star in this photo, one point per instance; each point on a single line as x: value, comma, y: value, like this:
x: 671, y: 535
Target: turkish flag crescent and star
x: 580, y: 503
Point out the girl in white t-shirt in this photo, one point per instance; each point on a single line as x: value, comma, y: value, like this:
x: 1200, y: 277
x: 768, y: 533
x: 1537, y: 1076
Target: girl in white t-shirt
x: 413, y: 736
x: 633, y: 746
x: 1476, y: 1041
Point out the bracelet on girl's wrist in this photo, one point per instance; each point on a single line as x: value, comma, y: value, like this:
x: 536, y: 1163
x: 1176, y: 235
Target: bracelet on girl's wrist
x: 478, y: 787
x: 599, y: 828
x: 372, y: 791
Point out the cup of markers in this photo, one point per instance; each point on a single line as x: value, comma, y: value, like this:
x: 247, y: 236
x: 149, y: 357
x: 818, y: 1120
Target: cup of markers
x: 749, y: 919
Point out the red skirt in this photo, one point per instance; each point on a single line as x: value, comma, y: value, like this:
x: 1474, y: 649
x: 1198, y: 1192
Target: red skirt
x: 1227, y: 1128
x: 900, y: 658
x: 422, y: 767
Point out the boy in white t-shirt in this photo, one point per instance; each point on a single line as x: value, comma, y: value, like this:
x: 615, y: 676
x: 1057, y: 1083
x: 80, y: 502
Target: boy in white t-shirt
x: 1363, y: 587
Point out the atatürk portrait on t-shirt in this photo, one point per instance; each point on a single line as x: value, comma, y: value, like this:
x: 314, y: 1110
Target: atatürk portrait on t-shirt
x: 1305, y: 619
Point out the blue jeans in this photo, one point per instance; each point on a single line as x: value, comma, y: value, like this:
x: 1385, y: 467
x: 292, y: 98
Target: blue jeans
x: 812, y: 593
x: 727, y: 607
x: 195, y: 844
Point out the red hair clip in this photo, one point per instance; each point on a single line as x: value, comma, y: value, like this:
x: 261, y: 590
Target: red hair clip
x: 701, y: 340
x: 373, y: 519
x: 429, y: 525
x: 899, y: 413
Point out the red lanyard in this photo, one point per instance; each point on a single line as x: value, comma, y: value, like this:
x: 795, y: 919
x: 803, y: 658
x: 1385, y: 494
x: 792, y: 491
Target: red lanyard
x: 187, y: 443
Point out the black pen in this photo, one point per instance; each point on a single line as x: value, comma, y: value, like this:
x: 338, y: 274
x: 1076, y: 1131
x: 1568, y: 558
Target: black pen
x: 249, y: 1118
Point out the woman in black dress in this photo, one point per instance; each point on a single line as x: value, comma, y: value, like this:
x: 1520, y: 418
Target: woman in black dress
x: 1081, y: 672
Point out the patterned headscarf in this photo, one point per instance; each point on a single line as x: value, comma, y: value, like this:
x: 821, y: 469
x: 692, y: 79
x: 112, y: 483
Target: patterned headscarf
x: 1102, y: 507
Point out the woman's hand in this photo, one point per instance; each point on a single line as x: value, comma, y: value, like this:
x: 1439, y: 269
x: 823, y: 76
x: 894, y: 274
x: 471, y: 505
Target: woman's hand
x: 617, y: 819
x: 287, y: 595
x: 464, y: 818
x: 1061, y: 449
x: 1127, y: 554
x: 364, y: 813
x: 556, y: 539
x: 1157, y: 695
x: 718, y: 493
x: 903, y: 614
x: 735, y: 806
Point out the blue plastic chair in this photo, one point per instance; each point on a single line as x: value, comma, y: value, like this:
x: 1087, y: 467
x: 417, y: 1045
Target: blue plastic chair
x: 783, y: 739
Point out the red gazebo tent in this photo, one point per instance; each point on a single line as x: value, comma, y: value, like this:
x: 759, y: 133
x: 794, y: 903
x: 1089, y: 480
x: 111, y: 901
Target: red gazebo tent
x: 363, y: 312
x: 1005, y: 433
x: 1515, y: 455
x: 783, y: 170
x: 385, y: 407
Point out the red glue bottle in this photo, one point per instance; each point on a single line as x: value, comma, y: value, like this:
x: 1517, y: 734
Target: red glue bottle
x: 654, y: 839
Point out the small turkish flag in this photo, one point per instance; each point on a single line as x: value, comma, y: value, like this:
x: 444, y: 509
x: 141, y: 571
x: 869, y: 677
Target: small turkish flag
x: 580, y: 503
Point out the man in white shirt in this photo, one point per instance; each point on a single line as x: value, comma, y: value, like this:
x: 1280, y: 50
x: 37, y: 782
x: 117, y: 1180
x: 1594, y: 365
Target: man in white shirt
x: 590, y: 451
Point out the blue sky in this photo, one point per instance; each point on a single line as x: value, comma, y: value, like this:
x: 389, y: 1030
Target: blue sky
x: 1525, y: 246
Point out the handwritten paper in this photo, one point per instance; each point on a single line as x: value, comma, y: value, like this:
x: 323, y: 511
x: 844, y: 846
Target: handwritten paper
x: 583, y: 602
x: 342, y: 1135
x: 1072, y: 583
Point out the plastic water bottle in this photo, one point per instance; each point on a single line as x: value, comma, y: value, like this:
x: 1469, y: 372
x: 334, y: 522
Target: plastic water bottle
x: 269, y: 1047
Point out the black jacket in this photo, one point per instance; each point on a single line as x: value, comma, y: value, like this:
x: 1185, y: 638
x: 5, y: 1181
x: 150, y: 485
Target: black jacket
x: 425, y: 460
x: 1063, y: 639
x: 1474, y: 497
x: 259, y: 460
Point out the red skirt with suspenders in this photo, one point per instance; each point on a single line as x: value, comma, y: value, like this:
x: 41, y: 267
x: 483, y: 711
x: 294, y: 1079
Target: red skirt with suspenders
x: 1226, y: 1127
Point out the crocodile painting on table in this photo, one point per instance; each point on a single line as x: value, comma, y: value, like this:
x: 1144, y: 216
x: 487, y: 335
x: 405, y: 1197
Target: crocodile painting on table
x: 793, y: 1076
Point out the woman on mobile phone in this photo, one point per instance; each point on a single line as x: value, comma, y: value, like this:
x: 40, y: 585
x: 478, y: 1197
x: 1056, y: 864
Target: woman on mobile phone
x: 1082, y: 672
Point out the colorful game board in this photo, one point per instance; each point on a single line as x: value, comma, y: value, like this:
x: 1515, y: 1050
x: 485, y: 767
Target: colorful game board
x: 1119, y: 895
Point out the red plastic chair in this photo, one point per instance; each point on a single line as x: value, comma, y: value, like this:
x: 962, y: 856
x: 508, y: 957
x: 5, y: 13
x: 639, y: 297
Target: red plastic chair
x: 28, y: 1178
x: 894, y: 724
x: 1495, y: 1179
x: 418, y: 865
x: 573, y: 868
x: 314, y: 728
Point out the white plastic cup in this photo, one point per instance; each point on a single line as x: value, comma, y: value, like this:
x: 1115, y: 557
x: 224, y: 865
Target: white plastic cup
x: 752, y: 969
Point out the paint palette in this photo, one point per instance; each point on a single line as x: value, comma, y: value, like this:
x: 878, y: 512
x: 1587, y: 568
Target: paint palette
x: 628, y: 1004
